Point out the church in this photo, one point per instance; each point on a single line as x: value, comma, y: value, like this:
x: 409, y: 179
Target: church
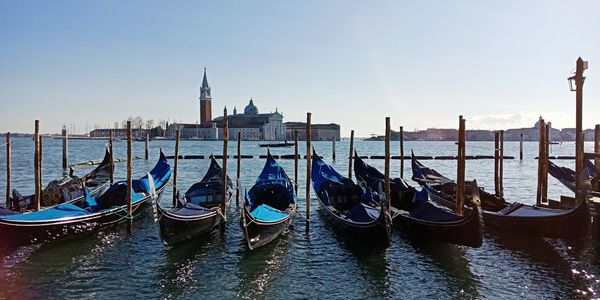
x: 251, y: 124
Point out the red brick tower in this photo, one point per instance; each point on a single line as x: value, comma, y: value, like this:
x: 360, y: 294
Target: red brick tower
x: 205, y: 101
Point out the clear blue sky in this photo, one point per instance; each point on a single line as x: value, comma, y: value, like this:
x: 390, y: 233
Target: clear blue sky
x: 500, y: 63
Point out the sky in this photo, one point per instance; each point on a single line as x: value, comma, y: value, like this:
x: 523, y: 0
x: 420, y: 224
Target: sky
x: 500, y: 64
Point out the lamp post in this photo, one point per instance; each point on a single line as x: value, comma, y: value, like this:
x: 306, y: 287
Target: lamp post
x: 576, y: 84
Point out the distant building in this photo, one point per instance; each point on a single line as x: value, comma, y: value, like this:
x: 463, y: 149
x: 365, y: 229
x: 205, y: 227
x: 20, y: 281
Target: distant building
x: 531, y: 134
x: 119, y: 133
x: 326, y: 132
x: 252, y: 125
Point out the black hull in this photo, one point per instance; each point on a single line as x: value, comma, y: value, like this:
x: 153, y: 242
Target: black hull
x: 174, y: 229
x: 572, y: 224
x: 19, y: 233
x: 466, y: 232
x: 259, y: 233
x: 377, y: 232
x: 276, y: 145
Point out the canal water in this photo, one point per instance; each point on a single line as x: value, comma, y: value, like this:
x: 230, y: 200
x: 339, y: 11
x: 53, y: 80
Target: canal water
x: 113, y: 264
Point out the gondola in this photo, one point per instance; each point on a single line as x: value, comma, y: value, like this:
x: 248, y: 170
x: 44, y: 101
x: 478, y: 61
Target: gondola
x: 276, y: 145
x: 422, y: 218
x: 70, y: 220
x: 269, y: 205
x: 566, y: 219
x: 567, y: 177
x: 198, y: 211
x: 65, y: 190
x: 357, y: 214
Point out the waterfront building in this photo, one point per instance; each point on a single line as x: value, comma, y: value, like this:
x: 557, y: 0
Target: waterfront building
x: 323, y: 132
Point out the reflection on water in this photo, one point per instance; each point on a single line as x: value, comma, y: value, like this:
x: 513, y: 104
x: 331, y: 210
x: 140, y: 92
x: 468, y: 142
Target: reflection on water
x: 259, y: 269
x: 451, y: 262
x: 317, y: 264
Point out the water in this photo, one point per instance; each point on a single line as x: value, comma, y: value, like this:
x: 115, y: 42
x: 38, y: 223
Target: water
x: 115, y: 264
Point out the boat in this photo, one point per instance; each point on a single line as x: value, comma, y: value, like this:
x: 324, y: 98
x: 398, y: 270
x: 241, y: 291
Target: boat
x: 198, y: 211
x: 565, y: 219
x: 269, y: 206
x: 421, y: 217
x: 276, y: 145
x: 74, y: 219
x: 65, y: 190
x: 567, y: 177
x: 353, y: 212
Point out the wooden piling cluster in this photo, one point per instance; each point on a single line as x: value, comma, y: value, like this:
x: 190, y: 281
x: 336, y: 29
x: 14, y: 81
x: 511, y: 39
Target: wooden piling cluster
x: 542, y: 184
x: 308, y: 167
x: 177, y: 135
x: 460, y: 170
x: 388, y: 193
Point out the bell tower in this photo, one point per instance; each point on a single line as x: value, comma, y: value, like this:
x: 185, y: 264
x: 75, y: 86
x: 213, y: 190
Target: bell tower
x: 205, y: 101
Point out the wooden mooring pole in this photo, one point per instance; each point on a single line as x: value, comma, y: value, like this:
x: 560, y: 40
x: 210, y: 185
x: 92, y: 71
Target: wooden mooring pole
x: 36, y: 164
x: 497, y: 163
x: 580, y: 157
x: 460, y: 189
x: 239, y: 165
x: 129, y: 170
x: 501, y: 175
x: 296, y: 160
x: 388, y: 193
x: 308, y: 168
x: 40, y: 169
x: 147, y: 146
x: 112, y: 156
x: 224, y: 173
x: 8, y: 165
x: 597, y: 159
x: 579, y: 79
x: 545, y: 163
x: 541, y: 156
x: 401, y: 151
x: 351, y: 155
x: 521, y: 146
x: 333, y: 148
x: 177, y: 136
x: 65, y: 148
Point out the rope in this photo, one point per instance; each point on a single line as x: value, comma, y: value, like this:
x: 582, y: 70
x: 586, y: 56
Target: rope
x: 124, y: 217
x: 222, y: 216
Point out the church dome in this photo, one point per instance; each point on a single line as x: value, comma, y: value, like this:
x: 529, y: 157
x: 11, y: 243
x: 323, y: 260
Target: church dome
x: 251, y: 109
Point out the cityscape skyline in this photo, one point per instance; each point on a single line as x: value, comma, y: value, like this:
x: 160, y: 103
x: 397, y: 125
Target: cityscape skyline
x: 499, y: 65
